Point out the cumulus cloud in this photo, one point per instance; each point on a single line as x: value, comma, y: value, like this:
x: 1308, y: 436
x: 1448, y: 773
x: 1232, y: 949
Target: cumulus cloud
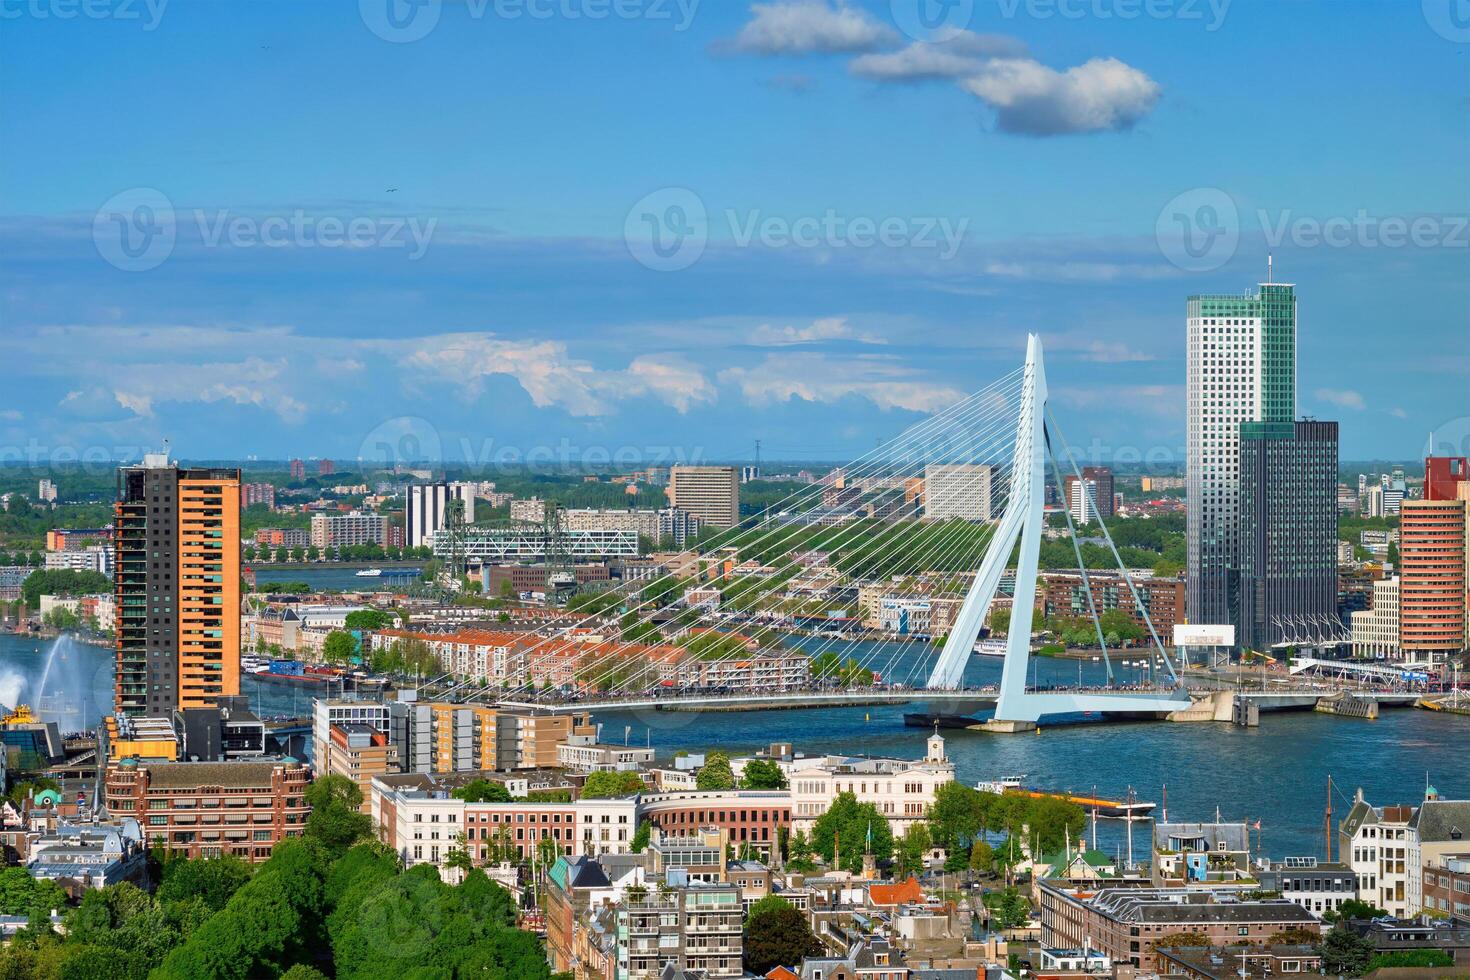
x: 786, y: 27
x: 1032, y: 99
x: 822, y: 378
x: 1342, y: 398
x: 962, y: 56
x: 671, y: 379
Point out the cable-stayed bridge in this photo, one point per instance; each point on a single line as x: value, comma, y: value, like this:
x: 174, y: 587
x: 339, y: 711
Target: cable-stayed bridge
x: 928, y: 534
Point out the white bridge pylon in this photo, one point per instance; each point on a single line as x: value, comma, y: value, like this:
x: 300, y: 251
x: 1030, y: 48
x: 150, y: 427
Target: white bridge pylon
x: 1022, y: 520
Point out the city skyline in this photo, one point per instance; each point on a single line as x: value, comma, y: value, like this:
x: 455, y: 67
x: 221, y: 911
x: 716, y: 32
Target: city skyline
x: 514, y: 298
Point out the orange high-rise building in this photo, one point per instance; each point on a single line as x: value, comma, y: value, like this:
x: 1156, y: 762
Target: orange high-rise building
x: 1432, y: 578
x: 177, y: 587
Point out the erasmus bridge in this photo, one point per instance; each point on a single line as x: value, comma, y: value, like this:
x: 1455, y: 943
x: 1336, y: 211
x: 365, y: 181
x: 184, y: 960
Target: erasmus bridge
x: 764, y: 614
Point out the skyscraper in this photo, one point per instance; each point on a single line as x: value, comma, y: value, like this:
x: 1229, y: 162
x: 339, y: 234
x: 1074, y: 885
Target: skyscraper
x: 177, y: 586
x: 962, y: 490
x: 710, y: 493
x: 1432, y: 578
x: 1242, y: 368
x: 1093, y: 497
x: 1287, y: 546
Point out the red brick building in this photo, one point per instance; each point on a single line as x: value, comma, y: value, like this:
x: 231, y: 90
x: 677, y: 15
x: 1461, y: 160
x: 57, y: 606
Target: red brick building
x: 752, y: 817
x: 204, y: 809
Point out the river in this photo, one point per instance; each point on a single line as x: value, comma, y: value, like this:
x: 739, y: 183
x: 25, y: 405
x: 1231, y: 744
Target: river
x: 1276, y: 773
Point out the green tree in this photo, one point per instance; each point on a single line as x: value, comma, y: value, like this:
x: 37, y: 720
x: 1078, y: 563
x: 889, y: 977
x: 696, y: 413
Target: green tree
x: 61, y: 582
x: 1009, y: 909
x: 848, y: 829
x: 336, y: 820
x: 1344, y: 952
x: 339, y: 647
x: 20, y: 894
x: 982, y: 857
x: 912, y: 848
x: 1296, y: 935
x: 482, y: 791
x: 716, y: 773
x: 762, y: 774
x: 1414, y: 959
x: 1356, y: 908
x: 641, y: 837
x: 777, y: 934
x: 370, y: 619
x: 605, y: 785
x: 214, y: 880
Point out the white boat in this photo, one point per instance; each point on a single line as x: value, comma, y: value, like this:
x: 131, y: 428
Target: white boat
x: 370, y: 573
x: 990, y: 648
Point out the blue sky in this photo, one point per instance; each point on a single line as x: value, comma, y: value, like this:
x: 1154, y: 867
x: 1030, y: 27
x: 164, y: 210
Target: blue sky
x: 660, y: 229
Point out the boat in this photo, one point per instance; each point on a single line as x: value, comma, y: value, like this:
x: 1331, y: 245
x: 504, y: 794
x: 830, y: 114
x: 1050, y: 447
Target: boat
x: 369, y: 573
x: 1102, y: 807
x: 990, y: 648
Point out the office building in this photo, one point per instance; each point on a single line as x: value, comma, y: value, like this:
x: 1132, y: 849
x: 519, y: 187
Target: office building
x: 427, y: 510
x: 1241, y: 368
x: 176, y: 586
x: 1432, y: 580
x: 1286, y: 558
x: 1093, y: 497
x: 1376, y: 630
x: 958, y: 490
x: 205, y: 809
x: 709, y: 493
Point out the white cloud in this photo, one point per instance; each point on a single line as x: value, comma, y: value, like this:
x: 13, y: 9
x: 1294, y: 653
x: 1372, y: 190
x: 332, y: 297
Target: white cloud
x: 959, y: 57
x: 1342, y: 398
x: 671, y: 379
x: 1398, y: 413
x: 823, y: 378
x: 1034, y: 100
x: 826, y: 328
x: 785, y: 27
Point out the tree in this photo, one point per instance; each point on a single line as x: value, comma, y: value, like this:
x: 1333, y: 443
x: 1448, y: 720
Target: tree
x: 1416, y: 959
x: 762, y: 774
x: 214, y: 880
x: 716, y: 773
x: 982, y: 857
x: 61, y: 582
x: 482, y: 791
x: 777, y: 934
x: 369, y: 619
x: 1180, y: 940
x: 912, y: 849
x: 605, y: 785
x: 339, y: 647
x: 20, y: 894
x: 848, y: 829
x: 1356, y: 908
x: 1009, y: 909
x: 641, y: 837
x: 1346, y: 953
x: 1296, y: 935
x: 336, y: 821
x: 1000, y: 621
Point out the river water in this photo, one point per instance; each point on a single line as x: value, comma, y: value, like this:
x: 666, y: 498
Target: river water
x: 1276, y: 773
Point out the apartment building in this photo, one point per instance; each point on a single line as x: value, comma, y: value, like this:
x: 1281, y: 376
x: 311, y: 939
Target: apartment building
x: 435, y: 737
x: 684, y: 925
x: 1432, y: 578
x: 958, y: 490
x: 711, y: 494
x: 1436, y: 833
x: 176, y: 586
x: 348, y: 530
x: 1376, y: 631
x: 258, y: 495
x: 1064, y: 594
x: 361, y: 753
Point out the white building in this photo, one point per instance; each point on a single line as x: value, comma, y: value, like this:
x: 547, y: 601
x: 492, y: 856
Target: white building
x: 710, y: 493
x: 46, y: 491
x: 426, y: 510
x: 583, y: 753
x: 960, y: 490
x: 93, y: 558
x: 1081, y: 494
x: 901, y: 789
x: 904, y: 616
x: 1376, y: 631
x: 1376, y: 843
x: 347, y: 530
x: 326, y: 712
